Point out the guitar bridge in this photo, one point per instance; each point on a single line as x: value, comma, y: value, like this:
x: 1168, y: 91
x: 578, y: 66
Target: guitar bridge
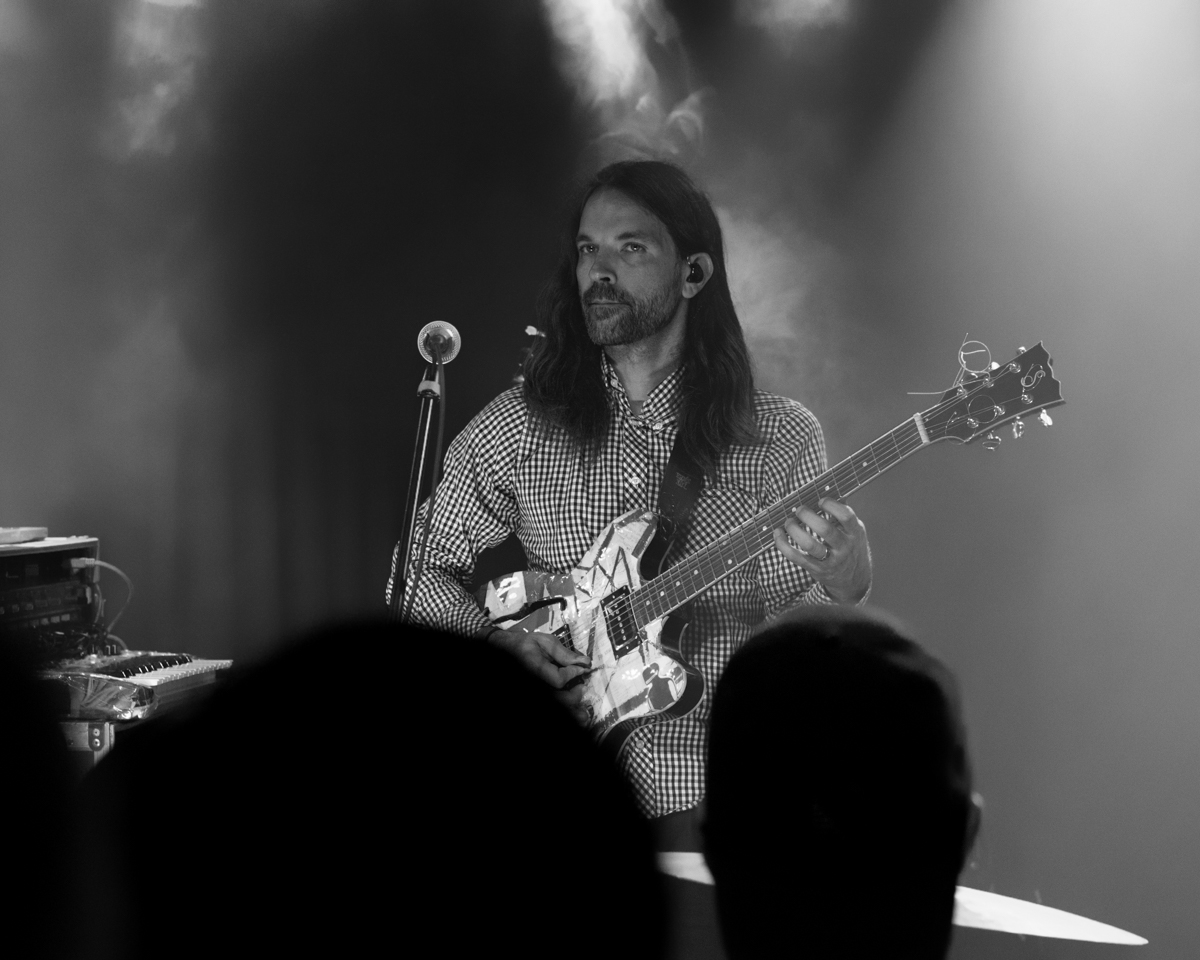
x: 619, y: 624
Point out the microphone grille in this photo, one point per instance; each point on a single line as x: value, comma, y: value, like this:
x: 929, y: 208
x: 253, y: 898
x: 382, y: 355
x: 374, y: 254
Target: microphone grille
x: 442, y: 329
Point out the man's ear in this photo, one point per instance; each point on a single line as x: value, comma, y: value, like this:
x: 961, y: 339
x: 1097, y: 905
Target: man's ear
x: 697, y: 269
x: 974, y: 820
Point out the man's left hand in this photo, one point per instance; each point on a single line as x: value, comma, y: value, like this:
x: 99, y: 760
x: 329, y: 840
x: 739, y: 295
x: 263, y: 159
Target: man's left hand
x: 830, y: 545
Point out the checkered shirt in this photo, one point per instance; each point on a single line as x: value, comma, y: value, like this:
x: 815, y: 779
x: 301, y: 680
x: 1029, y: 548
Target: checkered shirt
x: 503, y: 477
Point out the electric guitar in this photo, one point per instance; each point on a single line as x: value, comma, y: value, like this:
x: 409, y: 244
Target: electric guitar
x: 618, y: 614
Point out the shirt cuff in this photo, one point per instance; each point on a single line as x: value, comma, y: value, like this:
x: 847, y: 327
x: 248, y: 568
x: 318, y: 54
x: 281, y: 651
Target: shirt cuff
x: 820, y: 595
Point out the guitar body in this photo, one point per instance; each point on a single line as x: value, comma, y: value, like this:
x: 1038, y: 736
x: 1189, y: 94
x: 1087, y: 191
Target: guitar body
x: 638, y: 674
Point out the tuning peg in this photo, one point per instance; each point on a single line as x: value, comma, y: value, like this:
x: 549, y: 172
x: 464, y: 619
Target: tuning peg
x: 1018, y: 428
x: 991, y: 441
x: 1045, y: 418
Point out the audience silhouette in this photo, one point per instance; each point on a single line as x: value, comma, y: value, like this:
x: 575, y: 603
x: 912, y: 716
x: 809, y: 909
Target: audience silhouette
x: 839, y: 806
x: 39, y: 841
x: 382, y: 787
x: 372, y: 788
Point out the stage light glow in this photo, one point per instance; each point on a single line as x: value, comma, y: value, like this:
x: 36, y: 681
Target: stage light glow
x: 791, y: 15
x: 603, y: 52
x: 156, y: 50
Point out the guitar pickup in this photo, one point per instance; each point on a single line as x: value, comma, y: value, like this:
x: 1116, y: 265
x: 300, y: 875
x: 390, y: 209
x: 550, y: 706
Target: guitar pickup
x: 619, y: 624
x: 563, y: 636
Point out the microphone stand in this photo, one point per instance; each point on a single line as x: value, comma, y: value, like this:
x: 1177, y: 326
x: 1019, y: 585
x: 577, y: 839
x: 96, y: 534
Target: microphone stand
x: 429, y: 392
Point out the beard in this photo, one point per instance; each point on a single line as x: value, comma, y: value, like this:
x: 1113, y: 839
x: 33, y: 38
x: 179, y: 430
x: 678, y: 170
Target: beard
x: 630, y: 319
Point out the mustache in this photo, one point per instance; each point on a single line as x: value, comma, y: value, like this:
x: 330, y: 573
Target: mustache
x: 604, y: 291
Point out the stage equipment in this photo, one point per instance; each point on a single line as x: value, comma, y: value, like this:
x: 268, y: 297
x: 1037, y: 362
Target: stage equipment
x: 438, y: 343
x: 100, y: 696
x: 439, y: 339
x: 605, y: 610
x: 47, y: 590
x: 132, y: 685
x: 51, y: 610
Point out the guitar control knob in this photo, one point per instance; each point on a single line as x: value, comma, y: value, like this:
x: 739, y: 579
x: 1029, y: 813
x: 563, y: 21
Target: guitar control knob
x: 1045, y: 418
x: 1018, y: 428
x: 991, y: 441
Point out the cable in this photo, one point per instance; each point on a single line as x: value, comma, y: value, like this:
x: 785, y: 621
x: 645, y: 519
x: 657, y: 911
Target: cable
x: 78, y: 563
x: 99, y: 602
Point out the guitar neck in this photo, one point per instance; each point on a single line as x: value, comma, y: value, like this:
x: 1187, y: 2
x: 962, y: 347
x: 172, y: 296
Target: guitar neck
x: 693, y: 575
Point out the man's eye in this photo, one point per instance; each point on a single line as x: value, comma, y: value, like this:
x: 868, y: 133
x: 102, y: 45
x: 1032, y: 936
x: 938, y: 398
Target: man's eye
x: 634, y: 247
x: 586, y: 248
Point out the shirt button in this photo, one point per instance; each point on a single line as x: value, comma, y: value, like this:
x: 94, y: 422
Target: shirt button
x: 658, y: 428
x: 635, y: 480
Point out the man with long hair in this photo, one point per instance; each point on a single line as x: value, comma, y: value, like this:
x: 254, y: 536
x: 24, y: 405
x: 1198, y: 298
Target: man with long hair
x: 642, y: 346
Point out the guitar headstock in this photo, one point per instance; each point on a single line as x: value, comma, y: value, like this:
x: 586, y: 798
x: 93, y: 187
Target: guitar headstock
x: 1023, y: 386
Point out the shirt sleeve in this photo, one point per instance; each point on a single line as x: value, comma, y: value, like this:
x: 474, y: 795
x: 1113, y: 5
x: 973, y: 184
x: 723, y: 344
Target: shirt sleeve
x: 474, y: 508
x: 797, y: 457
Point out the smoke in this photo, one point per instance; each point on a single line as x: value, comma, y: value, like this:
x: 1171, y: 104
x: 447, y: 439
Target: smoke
x: 605, y: 52
x: 783, y: 17
x: 775, y: 267
x: 156, y: 50
x: 604, y: 55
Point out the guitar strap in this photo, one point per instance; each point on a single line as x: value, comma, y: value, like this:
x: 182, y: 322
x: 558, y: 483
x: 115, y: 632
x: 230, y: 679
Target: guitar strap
x: 682, y: 483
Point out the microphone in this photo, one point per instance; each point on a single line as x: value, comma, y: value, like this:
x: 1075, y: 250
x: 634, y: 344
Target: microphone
x: 439, y: 338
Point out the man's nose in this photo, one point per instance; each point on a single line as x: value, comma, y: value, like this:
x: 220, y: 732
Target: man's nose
x: 602, y: 270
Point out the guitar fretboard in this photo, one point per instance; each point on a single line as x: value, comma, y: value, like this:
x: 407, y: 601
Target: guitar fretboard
x: 693, y: 575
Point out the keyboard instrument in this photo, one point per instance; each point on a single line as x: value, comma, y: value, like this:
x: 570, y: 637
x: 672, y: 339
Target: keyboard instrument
x: 132, y: 685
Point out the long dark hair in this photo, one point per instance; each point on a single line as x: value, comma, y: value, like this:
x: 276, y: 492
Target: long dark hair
x: 563, y: 375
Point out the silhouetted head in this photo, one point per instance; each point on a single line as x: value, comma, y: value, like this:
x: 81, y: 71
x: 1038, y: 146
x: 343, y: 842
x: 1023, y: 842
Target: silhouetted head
x: 330, y: 800
x: 39, y: 843
x: 839, y: 808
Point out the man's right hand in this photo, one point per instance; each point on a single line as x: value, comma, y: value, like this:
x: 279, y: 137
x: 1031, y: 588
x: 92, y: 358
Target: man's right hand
x: 550, y: 660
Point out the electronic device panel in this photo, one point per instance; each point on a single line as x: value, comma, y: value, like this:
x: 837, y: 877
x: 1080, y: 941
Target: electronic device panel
x: 40, y: 588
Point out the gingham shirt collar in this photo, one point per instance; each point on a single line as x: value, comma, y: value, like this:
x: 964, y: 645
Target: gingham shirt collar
x: 662, y: 406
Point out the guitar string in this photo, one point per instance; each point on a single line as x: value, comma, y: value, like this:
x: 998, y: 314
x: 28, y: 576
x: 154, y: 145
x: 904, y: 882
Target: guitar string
x: 741, y: 545
x: 710, y: 555
x: 707, y: 559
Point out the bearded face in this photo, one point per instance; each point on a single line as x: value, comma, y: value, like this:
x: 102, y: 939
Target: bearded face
x: 616, y: 317
x: 630, y: 276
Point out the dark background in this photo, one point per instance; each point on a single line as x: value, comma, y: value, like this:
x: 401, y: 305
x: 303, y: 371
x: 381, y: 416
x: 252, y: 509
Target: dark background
x: 223, y: 223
